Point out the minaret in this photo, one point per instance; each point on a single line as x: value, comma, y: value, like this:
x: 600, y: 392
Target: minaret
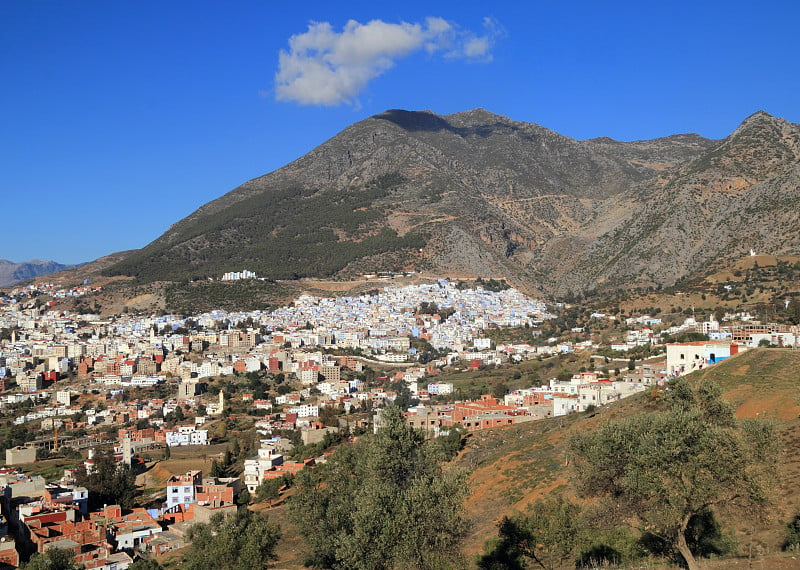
x: 221, y: 401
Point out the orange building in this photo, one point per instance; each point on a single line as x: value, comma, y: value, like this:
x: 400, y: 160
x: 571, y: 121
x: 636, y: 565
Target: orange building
x: 485, y: 413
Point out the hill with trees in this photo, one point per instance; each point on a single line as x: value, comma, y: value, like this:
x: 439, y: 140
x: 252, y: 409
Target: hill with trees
x: 573, y: 459
x: 704, y: 468
x: 477, y: 194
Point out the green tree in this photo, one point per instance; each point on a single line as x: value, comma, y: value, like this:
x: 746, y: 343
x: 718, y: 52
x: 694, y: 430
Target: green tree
x: 241, y: 542
x: 404, y: 399
x: 792, y: 541
x: 383, y: 502
x: 446, y: 447
x: 658, y: 471
x: 704, y: 536
x: 794, y: 310
x: 329, y: 416
x: 499, y: 390
x: 110, y: 482
x: 217, y: 469
x: 269, y: 490
x: 244, y: 498
x: 52, y: 559
x: 547, y: 535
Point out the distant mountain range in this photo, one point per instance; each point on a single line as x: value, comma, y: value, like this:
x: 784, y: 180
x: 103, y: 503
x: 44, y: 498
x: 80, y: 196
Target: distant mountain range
x: 11, y: 272
x: 477, y: 194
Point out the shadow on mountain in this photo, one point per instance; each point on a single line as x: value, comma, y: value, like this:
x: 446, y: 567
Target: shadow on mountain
x: 425, y: 121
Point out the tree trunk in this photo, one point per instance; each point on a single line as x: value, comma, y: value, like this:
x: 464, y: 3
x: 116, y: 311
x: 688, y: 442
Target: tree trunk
x: 683, y: 548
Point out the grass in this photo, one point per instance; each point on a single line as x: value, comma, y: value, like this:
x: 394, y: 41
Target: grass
x: 50, y: 469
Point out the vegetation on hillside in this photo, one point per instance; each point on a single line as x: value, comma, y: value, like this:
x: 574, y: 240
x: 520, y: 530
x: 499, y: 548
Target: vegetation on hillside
x: 383, y: 502
x: 547, y: 535
x: 244, y: 541
x: 287, y: 232
x: 191, y: 298
x: 657, y: 471
x: 580, y: 215
x: 53, y: 559
x: 667, y: 464
x: 109, y: 483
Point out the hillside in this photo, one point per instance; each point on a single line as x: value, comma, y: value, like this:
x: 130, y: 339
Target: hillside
x: 477, y: 194
x: 513, y: 467
x: 510, y: 468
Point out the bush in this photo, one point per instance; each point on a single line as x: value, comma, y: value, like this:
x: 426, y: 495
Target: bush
x: 792, y: 541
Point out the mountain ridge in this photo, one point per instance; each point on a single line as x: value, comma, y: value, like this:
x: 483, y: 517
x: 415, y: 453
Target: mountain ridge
x: 480, y: 194
x: 15, y: 272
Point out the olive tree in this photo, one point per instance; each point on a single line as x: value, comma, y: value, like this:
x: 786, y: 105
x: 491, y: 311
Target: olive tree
x: 383, y: 502
x: 52, y: 559
x: 659, y: 470
x: 245, y: 541
x: 546, y: 535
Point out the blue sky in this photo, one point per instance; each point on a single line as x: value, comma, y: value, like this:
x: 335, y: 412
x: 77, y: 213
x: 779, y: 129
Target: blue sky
x: 120, y: 118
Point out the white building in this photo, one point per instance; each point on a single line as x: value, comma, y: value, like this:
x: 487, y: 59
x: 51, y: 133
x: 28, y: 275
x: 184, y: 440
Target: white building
x: 63, y: 397
x: 236, y: 275
x: 181, y: 488
x: 187, y: 435
x: 308, y: 376
x: 305, y: 411
x: 267, y: 458
x: 687, y: 357
x: 440, y: 388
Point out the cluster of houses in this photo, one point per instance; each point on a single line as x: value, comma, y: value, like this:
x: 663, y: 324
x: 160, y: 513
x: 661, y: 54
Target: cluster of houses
x: 144, y: 351
x: 741, y: 328
x: 19, y: 294
x: 109, y: 358
x: 55, y: 515
x: 37, y: 516
x: 558, y: 398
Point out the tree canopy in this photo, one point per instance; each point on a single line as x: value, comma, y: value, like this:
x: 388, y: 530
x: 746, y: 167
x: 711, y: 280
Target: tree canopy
x: 52, y: 559
x: 245, y: 541
x: 659, y: 471
x: 547, y: 535
x: 383, y: 502
x: 110, y: 482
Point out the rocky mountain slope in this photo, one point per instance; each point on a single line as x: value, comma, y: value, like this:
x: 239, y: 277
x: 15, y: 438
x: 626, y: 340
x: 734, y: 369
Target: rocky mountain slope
x: 477, y: 194
x: 11, y: 272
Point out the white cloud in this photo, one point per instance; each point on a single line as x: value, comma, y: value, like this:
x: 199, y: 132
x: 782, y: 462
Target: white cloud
x: 325, y: 67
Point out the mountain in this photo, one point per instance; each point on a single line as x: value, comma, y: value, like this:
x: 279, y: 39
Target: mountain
x: 11, y: 272
x: 478, y: 194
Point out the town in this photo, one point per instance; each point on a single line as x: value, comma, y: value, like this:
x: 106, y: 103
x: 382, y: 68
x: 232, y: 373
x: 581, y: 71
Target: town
x: 263, y: 395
